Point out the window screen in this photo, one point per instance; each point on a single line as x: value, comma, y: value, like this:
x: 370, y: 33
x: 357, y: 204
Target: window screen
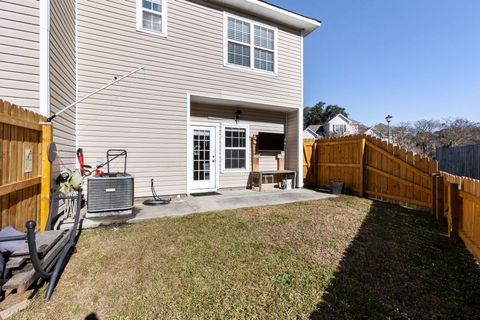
x: 235, y: 144
x: 241, y: 49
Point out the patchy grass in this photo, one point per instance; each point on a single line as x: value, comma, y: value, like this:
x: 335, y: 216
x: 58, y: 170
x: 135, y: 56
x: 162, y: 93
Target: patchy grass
x: 329, y: 259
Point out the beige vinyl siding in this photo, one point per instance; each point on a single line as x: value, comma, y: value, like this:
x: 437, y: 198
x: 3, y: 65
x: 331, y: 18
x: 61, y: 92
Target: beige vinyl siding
x: 19, y: 52
x: 291, y: 155
x: 147, y: 113
x: 257, y: 120
x: 63, y: 78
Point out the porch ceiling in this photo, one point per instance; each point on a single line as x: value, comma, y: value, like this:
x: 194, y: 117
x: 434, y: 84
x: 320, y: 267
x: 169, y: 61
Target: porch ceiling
x: 229, y: 102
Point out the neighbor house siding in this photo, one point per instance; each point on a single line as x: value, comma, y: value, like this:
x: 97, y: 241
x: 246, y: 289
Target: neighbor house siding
x: 147, y: 113
x: 63, y: 78
x: 257, y: 120
x: 19, y: 52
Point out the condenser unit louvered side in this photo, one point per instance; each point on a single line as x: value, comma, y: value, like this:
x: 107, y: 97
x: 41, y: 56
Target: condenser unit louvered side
x: 110, y: 193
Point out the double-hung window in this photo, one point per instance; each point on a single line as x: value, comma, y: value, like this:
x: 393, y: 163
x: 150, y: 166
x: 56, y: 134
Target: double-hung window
x: 340, y: 128
x: 250, y: 44
x: 235, y: 148
x: 152, y: 16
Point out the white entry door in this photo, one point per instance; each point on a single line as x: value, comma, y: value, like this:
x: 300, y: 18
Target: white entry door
x: 204, y: 158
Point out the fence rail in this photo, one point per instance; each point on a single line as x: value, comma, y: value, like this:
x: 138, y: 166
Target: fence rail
x: 21, y: 178
x: 370, y: 167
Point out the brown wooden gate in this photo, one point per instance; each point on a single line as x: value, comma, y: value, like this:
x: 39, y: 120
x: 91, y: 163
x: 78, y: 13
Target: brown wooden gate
x: 21, y: 166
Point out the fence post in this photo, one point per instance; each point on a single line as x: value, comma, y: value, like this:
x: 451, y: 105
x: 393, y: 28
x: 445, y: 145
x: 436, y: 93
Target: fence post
x: 361, y: 168
x: 47, y: 137
x: 440, y: 206
x: 453, y: 209
x: 314, y: 164
x: 434, y: 193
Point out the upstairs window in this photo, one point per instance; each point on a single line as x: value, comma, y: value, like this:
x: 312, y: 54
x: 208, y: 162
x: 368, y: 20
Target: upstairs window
x: 151, y: 16
x: 250, y: 44
x: 340, y: 128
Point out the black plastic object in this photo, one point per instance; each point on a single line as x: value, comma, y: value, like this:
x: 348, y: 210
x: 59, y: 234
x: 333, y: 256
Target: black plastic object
x: 62, y: 258
x: 156, y: 199
x: 336, y: 187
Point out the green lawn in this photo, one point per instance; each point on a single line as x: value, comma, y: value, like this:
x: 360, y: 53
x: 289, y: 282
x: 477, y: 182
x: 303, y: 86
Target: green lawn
x: 337, y: 258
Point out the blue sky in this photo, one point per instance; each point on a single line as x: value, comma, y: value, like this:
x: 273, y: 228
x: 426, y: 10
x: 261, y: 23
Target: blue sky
x: 412, y: 59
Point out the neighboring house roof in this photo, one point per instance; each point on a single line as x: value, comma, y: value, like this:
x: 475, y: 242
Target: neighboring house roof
x: 362, y: 129
x: 341, y: 116
x: 309, y: 132
x: 266, y: 10
x: 381, y: 129
x: 314, y: 127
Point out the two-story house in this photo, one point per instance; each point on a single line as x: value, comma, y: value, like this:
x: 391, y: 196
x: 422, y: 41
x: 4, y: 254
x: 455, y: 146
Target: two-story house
x: 217, y: 73
x: 339, y: 125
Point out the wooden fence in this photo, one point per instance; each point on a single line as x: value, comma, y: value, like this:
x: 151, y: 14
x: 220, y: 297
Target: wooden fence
x: 24, y: 186
x: 457, y: 199
x: 460, y: 161
x: 373, y: 168
x: 370, y: 167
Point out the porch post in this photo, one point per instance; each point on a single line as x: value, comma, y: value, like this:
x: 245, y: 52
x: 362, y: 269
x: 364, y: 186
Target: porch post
x: 300, y: 148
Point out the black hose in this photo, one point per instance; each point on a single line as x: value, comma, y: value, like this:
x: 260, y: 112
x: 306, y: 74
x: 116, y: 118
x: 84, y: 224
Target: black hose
x: 32, y: 248
x: 156, y: 199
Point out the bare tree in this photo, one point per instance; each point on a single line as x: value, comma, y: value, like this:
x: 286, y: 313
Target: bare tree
x: 457, y: 132
x: 425, y: 135
x: 403, y: 135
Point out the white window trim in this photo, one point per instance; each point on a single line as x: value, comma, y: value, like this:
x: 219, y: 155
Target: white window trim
x: 247, y: 147
x: 164, y: 15
x: 343, y: 126
x: 252, y: 46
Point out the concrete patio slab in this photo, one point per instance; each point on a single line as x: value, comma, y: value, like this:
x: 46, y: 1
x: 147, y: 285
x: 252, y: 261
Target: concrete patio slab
x: 225, y: 200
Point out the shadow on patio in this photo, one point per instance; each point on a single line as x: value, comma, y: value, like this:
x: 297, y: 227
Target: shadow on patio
x: 401, y: 265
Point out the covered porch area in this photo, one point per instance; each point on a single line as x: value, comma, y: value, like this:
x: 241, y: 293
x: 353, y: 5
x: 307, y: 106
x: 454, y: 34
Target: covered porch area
x: 230, y: 138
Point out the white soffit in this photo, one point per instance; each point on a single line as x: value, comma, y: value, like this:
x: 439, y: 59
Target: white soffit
x: 237, y: 103
x: 273, y: 13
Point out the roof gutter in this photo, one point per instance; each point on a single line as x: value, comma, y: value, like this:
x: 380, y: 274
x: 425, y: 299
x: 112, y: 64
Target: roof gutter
x: 268, y: 11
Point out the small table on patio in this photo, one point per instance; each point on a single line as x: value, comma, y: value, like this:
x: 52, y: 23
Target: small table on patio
x: 259, y: 176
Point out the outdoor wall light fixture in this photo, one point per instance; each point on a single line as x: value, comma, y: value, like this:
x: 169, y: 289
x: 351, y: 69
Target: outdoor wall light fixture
x: 238, y: 113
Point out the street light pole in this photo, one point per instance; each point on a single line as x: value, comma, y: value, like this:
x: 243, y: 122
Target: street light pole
x: 388, y: 118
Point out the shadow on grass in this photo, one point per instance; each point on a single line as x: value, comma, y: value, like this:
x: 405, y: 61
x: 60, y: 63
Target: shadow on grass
x: 402, y: 265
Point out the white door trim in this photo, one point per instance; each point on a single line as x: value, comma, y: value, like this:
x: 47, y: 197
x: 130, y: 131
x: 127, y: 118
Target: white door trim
x: 190, y: 155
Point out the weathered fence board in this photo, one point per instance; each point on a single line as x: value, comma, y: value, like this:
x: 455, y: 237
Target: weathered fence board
x: 20, y: 165
x: 308, y: 161
x: 460, y: 161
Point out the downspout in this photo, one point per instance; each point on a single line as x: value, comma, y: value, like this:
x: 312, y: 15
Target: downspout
x: 76, y: 79
x: 44, y: 58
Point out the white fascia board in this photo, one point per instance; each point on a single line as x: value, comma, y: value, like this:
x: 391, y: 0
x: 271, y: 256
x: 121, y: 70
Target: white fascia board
x: 273, y: 13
